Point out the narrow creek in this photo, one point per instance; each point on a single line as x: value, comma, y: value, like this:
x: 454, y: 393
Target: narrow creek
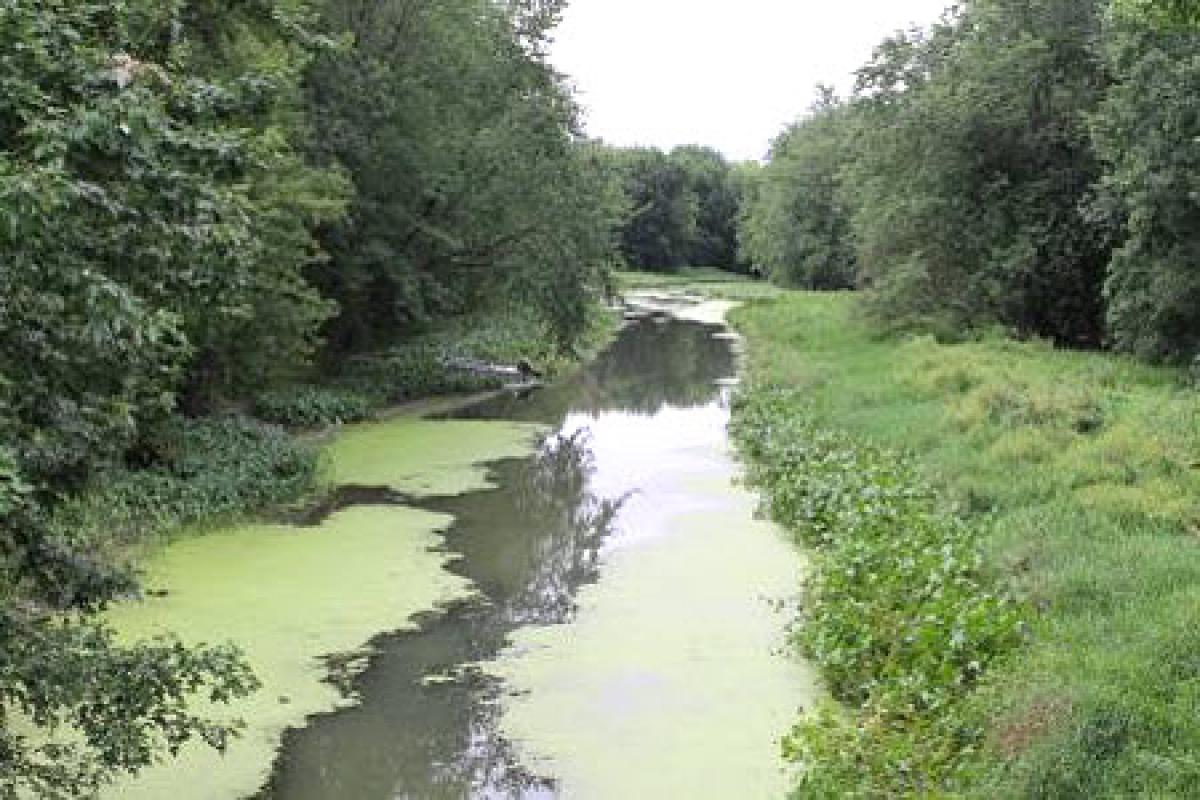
x: 610, y: 616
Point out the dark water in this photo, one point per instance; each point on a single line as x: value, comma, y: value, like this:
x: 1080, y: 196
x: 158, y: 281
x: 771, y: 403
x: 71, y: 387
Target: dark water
x: 426, y: 725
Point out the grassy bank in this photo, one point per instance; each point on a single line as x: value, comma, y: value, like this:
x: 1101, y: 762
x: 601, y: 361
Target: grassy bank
x: 1067, y: 482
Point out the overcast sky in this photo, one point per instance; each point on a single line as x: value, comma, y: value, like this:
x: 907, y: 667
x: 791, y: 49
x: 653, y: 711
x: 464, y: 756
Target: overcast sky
x: 725, y: 73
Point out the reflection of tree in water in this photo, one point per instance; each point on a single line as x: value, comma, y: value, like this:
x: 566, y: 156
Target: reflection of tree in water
x: 650, y: 364
x: 427, y: 726
x: 575, y: 524
x: 654, y: 364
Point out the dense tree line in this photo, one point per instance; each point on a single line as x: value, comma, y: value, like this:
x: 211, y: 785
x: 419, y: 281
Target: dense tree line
x: 683, y: 207
x: 1031, y: 164
x: 199, y: 198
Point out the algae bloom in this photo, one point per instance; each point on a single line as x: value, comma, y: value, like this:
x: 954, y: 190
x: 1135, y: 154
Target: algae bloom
x: 289, y: 596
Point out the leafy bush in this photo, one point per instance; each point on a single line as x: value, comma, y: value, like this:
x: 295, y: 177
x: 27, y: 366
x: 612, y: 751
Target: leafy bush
x: 203, y: 468
x: 310, y: 406
x: 897, y: 613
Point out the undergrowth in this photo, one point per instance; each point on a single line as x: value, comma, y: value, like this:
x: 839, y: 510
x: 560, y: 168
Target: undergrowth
x: 198, y: 470
x: 423, y: 365
x: 1075, y: 475
x: 897, y: 614
x: 308, y: 406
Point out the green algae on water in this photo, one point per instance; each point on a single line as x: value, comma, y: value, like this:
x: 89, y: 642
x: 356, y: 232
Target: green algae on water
x: 425, y: 457
x: 672, y: 681
x: 291, y: 596
x: 286, y: 596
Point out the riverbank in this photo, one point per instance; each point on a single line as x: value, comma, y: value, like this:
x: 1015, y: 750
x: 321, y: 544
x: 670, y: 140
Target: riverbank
x: 1061, y: 489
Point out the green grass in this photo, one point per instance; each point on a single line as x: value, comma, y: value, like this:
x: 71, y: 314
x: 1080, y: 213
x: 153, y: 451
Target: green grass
x: 1079, y: 473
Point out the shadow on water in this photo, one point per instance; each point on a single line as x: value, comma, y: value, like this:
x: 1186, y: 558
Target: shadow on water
x: 426, y: 722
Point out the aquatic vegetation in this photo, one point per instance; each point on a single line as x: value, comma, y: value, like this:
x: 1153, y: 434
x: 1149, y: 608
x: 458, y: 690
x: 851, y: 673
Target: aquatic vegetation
x: 672, y: 677
x: 897, y: 613
x: 287, y: 597
x: 422, y: 456
x: 290, y: 597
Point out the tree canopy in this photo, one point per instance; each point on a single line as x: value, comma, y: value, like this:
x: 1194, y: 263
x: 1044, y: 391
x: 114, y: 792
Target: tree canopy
x: 683, y: 207
x: 1022, y: 163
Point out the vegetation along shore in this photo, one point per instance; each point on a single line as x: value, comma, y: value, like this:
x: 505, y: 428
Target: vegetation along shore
x: 968, y: 294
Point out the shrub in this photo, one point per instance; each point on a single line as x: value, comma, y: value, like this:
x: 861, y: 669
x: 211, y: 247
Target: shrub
x: 306, y: 406
x: 204, y: 468
x: 898, y: 615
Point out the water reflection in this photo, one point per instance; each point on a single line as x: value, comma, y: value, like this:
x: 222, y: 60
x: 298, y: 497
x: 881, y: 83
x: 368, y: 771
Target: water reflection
x: 426, y: 723
x: 652, y: 364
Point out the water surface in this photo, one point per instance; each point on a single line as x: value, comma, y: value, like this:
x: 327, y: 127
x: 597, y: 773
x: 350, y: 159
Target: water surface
x: 626, y: 635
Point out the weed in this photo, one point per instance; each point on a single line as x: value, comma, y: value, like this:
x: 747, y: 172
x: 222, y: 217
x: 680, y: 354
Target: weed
x: 1076, y: 473
x: 306, y: 406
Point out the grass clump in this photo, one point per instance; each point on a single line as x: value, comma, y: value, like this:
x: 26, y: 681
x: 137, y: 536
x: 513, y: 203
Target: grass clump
x: 1075, y: 477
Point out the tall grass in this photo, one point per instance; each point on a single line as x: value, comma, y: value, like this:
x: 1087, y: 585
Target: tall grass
x: 1080, y: 470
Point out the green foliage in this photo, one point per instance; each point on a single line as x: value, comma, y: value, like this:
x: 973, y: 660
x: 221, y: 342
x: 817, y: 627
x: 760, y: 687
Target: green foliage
x: 1146, y: 133
x: 796, y: 228
x: 422, y: 365
x: 898, y: 614
x: 306, y: 406
x: 1075, y: 472
x: 472, y: 189
x: 198, y: 470
x: 154, y: 218
x: 101, y: 708
x: 178, y: 229
x: 1164, y: 14
x: 1027, y: 164
x: 974, y: 168
x: 409, y: 372
x: 665, y: 209
x: 684, y: 208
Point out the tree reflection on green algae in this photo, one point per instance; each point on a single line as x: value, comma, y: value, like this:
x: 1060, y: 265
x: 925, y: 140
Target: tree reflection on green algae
x: 289, y: 595
x: 426, y: 723
x: 639, y: 446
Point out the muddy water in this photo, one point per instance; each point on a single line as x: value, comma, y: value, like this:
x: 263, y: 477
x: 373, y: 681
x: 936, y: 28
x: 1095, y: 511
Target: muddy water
x: 625, y: 638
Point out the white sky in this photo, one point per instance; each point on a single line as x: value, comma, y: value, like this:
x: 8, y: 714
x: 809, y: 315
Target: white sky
x: 729, y: 74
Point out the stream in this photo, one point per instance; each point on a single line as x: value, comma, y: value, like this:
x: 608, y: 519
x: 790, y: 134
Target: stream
x: 597, y: 614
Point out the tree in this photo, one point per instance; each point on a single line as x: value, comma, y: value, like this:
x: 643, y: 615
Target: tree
x: 1161, y: 14
x: 797, y: 228
x: 458, y: 137
x: 975, y: 171
x: 1146, y: 132
x: 663, y: 222
x: 153, y: 217
x: 710, y: 179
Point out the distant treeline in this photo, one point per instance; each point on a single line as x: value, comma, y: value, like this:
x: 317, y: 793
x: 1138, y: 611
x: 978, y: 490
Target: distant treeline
x: 201, y: 199
x: 683, y: 207
x: 1028, y: 163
